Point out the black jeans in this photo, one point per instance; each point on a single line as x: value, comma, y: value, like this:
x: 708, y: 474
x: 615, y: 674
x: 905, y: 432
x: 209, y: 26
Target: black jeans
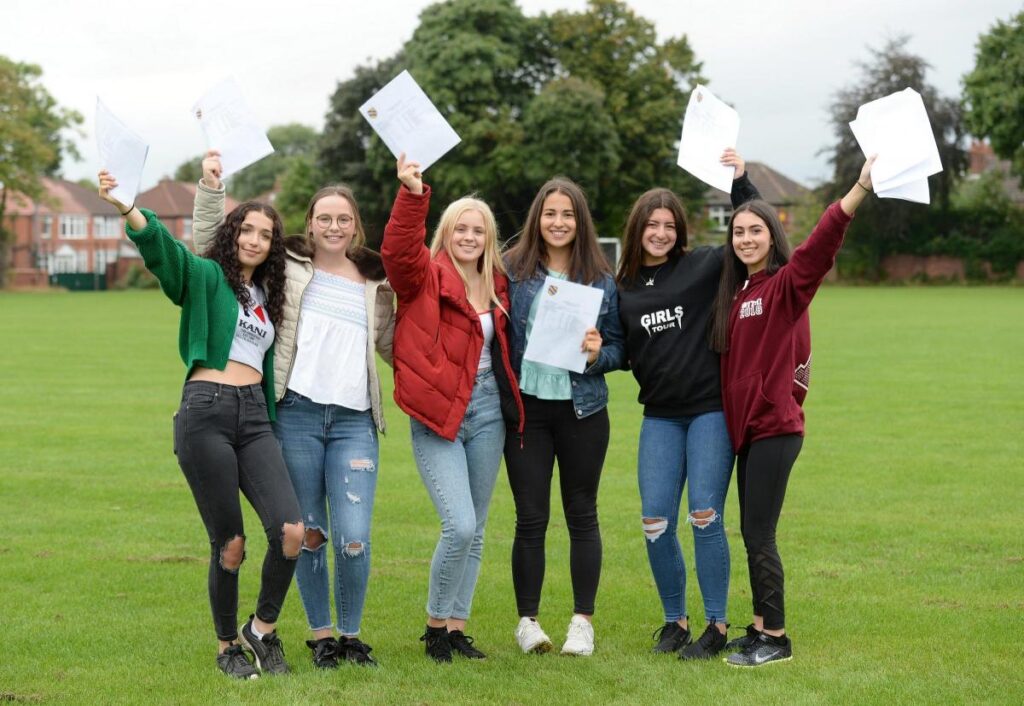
x: 553, y: 432
x: 762, y: 472
x: 224, y: 444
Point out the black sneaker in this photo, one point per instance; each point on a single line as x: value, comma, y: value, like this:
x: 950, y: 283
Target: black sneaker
x: 764, y: 650
x: 671, y: 637
x: 463, y: 644
x: 741, y: 643
x: 709, y: 644
x: 234, y: 663
x: 325, y: 652
x: 356, y: 651
x: 437, y: 646
x: 268, y: 651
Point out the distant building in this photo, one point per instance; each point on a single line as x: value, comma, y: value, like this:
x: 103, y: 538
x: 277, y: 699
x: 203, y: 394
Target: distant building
x: 983, y: 160
x: 777, y: 189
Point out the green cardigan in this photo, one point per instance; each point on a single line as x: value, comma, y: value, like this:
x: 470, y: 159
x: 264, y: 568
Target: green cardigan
x: 209, y: 308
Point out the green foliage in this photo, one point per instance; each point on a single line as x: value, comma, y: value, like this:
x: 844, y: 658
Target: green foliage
x: 531, y: 97
x: 32, y: 138
x: 298, y: 184
x: 137, y: 277
x: 886, y: 226
x: 994, y: 91
x: 190, y: 172
x: 903, y: 511
x: 290, y: 142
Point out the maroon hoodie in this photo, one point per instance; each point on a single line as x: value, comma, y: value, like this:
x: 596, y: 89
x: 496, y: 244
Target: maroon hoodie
x: 767, y: 370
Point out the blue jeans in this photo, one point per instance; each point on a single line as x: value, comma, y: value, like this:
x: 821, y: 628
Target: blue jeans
x: 672, y: 452
x: 459, y: 476
x: 331, y: 453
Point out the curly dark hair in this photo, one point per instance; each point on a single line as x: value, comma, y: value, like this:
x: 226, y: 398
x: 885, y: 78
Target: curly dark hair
x: 269, y: 274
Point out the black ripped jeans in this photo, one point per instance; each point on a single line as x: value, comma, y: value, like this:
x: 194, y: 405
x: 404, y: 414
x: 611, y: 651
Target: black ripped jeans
x: 224, y: 444
x: 762, y: 473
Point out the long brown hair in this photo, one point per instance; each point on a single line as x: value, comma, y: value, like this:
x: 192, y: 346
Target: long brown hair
x: 269, y: 274
x: 587, y: 262
x: 734, y: 272
x: 633, y: 233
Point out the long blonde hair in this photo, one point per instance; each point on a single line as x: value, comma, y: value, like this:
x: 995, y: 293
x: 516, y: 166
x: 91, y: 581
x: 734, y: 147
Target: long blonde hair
x: 490, y: 261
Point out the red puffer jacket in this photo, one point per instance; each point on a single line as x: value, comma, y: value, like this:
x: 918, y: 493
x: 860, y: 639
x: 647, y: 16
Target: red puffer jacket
x: 438, y: 336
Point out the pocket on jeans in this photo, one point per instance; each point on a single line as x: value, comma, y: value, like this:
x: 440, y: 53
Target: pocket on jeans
x: 200, y: 399
x: 289, y: 400
x: 174, y: 432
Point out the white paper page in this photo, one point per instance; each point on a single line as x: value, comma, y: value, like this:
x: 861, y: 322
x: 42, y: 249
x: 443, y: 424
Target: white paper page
x: 916, y: 191
x: 231, y: 127
x: 122, y: 153
x: 565, y: 312
x: 709, y: 127
x: 406, y: 120
x: 897, y: 129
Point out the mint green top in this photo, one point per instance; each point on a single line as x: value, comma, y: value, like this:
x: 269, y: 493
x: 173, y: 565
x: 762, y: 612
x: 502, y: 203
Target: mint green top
x: 545, y: 382
x: 209, y: 307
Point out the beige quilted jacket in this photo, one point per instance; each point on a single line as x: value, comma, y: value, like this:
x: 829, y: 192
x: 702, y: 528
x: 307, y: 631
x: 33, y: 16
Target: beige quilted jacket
x: 380, y: 304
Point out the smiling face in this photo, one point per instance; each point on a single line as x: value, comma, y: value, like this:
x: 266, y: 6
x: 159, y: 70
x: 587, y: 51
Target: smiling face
x: 333, y: 224
x: 557, y: 222
x: 254, y: 238
x: 659, y: 237
x: 468, y: 237
x: 751, y: 241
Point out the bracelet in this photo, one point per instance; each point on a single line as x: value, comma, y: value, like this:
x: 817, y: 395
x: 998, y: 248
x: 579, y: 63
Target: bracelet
x: 130, y: 209
x: 863, y: 187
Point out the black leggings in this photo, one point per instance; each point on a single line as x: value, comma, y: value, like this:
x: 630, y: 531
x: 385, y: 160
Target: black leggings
x: 553, y: 432
x: 762, y: 471
x: 224, y: 444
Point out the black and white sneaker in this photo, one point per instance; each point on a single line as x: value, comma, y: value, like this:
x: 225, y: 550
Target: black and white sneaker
x: 764, y: 650
x: 356, y: 651
x: 325, y: 652
x: 741, y: 643
x: 671, y: 637
x: 709, y: 644
x: 437, y: 646
x: 235, y: 664
x: 462, y: 644
x: 268, y: 650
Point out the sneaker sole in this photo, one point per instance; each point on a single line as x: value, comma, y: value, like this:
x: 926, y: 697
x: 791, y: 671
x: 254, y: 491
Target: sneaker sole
x: 232, y: 676
x: 755, y: 666
x: 574, y: 653
x: 540, y: 648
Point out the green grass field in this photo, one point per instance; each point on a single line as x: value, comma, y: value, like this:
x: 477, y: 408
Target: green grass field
x: 903, y: 531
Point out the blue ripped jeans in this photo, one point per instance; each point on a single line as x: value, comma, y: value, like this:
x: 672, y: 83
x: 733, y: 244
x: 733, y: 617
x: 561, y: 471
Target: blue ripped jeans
x: 459, y: 476
x: 695, y: 452
x: 331, y: 453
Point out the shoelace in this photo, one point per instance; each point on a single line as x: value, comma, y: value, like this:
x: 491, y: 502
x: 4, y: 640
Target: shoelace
x: 235, y: 653
x: 353, y: 644
x: 658, y: 632
x: 275, y: 648
x: 707, y: 638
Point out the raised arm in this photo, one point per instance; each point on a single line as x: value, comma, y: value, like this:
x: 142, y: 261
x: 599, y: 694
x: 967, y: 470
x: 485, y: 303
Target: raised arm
x: 406, y: 257
x: 743, y: 189
x: 208, y: 209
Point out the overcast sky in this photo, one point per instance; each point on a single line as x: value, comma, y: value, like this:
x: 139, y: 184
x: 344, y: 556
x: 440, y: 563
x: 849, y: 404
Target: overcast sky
x: 778, y: 62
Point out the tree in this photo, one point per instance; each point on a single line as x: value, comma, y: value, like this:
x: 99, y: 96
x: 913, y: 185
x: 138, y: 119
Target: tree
x: 32, y: 139
x: 190, y: 171
x: 297, y: 184
x: 290, y: 141
x: 886, y: 226
x: 994, y: 91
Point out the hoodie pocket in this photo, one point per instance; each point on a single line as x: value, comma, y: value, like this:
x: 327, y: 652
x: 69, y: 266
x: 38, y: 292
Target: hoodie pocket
x: 749, y: 408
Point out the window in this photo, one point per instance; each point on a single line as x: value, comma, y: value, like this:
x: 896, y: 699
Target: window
x: 186, y: 229
x: 45, y: 226
x: 73, y: 227
x: 106, y: 227
x: 719, y: 217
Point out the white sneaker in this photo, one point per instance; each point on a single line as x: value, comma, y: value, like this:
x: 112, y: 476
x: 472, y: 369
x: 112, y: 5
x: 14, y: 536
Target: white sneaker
x: 580, y: 638
x: 531, y: 638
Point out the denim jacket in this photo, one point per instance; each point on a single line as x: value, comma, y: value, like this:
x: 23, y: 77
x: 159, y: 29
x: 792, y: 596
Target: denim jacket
x: 589, y: 390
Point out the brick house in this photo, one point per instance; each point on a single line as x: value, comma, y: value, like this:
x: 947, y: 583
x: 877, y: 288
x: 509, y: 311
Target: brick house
x: 984, y: 160
x: 777, y: 189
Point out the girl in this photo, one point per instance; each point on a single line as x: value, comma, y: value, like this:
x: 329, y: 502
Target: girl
x: 453, y: 377
x: 665, y: 298
x: 763, y: 333
x: 565, y: 412
x: 337, y: 312
x: 231, y: 302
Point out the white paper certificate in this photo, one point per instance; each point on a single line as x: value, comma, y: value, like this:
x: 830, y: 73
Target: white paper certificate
x: 406, y: 120
x: 565, y: 312
x: 122, y: 153
x: 231, y: 127
x: 709, y: 127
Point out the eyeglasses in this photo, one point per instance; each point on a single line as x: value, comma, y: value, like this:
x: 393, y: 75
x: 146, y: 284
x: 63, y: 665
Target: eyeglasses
x: 324, y: 221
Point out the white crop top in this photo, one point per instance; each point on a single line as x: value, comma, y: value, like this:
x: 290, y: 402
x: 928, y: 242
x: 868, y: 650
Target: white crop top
x: 254, y: 332
x: 487, y: 324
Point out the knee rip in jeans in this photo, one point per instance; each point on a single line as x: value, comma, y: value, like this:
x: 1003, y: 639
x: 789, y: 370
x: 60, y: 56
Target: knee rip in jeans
x: 353, y: 549
x: 654, y: 527
x: 702, y: 518
x: 232, y: 554
x: 292, y: 535
x: 314, y: 539
x: 362, y: 464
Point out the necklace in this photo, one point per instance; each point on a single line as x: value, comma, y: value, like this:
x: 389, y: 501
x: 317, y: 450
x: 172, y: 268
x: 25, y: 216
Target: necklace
x: 650, y: 280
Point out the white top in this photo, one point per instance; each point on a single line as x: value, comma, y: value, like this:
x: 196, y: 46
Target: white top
x: 330, y: 345
x: 254, y: 332
x: 487, y: 324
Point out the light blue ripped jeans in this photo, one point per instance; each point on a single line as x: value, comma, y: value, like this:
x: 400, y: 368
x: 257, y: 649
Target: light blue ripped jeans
x: 331, y: 453
x: 459, y: 476
x: 695, y: 452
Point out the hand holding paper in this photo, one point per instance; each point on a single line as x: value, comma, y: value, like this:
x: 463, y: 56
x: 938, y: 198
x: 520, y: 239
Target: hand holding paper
x: 566, y: 315
x: 231, y: 127
x: 122, y: 152
x: 709, y: 128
